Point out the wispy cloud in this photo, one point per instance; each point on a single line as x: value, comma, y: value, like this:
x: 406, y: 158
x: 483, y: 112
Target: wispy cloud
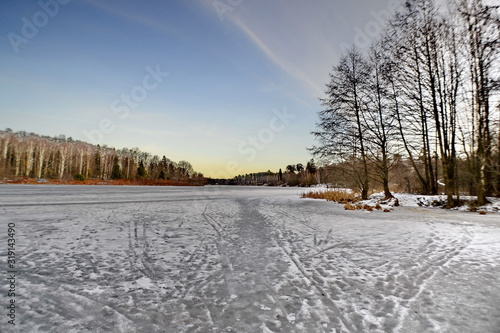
x: 289, y: 35
x: 282, y: 63
x: 303, y: 39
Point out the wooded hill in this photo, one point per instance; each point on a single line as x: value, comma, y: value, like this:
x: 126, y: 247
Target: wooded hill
x: 31, y: 155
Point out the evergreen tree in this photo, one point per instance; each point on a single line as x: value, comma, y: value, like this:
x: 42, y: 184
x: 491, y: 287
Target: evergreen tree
x: 141, y: 170
x: 116, y: 173
x: 97, y: 163
x: 311, y: 167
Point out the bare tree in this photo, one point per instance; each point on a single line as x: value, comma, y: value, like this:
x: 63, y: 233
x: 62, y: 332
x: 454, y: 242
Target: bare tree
x: 482, y: 33
x: 379, y: 117
x: 341, y: 131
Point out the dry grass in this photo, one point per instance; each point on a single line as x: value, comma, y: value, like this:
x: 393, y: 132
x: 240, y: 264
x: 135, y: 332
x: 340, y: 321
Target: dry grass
x: 349, y: 206
x: 349, y: 199
x: 339, y: 196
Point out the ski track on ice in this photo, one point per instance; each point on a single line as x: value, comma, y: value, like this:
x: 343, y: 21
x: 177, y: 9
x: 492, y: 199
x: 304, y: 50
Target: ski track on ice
x: 244, y: 260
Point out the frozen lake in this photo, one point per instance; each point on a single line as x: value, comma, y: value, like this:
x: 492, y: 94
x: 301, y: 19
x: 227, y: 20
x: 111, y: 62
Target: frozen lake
x: 242, y: 259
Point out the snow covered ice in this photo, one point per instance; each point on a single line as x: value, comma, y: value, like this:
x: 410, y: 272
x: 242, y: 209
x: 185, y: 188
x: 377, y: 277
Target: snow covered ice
x: 244, y: 259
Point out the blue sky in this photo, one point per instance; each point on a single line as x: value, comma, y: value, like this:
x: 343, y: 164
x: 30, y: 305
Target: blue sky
x: 241, y: 93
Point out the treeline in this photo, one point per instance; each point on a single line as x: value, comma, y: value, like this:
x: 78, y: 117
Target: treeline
x: 30, y: 155
x: 424, y: 96
x: 293, y: 175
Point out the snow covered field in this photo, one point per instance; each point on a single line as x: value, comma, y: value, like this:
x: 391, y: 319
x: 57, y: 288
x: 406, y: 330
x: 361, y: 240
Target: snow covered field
x: 242, y: 259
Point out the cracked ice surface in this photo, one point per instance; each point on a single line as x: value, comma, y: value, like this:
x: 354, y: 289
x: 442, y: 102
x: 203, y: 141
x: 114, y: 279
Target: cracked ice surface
x: 244, y: 259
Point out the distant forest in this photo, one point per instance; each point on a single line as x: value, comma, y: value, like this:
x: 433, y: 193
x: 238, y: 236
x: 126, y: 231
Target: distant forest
x: 30, y: 155
x: 419, y: 110
x: 294, y: 175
